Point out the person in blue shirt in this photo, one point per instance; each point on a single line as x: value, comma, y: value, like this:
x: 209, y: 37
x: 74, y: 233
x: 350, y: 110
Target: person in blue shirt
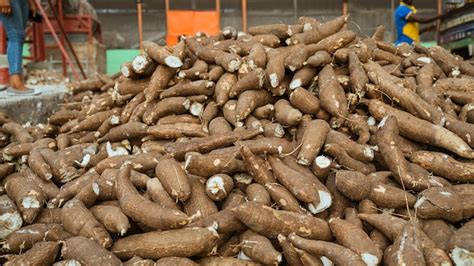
x: 407, y: 23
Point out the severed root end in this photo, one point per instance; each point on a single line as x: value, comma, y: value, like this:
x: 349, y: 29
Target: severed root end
x: 182, y: 74
x: 30, y: 202
x: 139, y: 63
x: 462, y: 256
x: 234, y: 65
x: 242, y: 256
x: 322, y: 161
x: 173, y: 61
x: 326, y: 261
x: 9, y: 222
x: 274, y: 80
x: 125, y: 71
x: 325, y: 201
x: 369, y: 259
x: 196, y: 109
x: 303, y: 161
x: 295, y: 84
x: 215, y: 184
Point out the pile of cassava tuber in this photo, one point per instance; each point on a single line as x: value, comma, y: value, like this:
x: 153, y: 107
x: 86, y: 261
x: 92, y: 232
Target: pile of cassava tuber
x: 294, y: 144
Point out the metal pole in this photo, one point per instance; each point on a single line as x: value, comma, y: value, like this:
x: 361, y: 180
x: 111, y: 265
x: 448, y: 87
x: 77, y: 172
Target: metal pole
x: 244, y: 15
x: 66, y: 38
x: 140, y: 24
x: 56, y: 38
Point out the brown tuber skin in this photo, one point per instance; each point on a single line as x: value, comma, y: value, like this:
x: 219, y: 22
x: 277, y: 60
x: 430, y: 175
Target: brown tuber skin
x: 87, y: 252
x: 173, y: 178
x: 259, y: 248
x: 239, y: 149
x: 336, y: 253
x: 42, y: 253
x: 130, y: 201
x: 79, y: 221
x: 312, y: 141
x: 257, y: 193
x: 185, y: 242
x: 270, y: 222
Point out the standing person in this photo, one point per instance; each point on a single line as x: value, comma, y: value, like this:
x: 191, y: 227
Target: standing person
x: 407, y: 23
x: 14, y: 16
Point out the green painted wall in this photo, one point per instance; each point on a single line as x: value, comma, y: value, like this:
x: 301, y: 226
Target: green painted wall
x: 115, y: 58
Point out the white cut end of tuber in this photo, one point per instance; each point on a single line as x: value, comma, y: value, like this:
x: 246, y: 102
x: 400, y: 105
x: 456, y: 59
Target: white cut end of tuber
x: 279, y: 131
x: 242, y: 256
x: 424, y: 59
x: 182, y: 74
x: 369, y: 259
x: 196, y: 109
x: 455, y: 72
x: 125, y: 71
x: 111, y: 152
x: 173, y: 61
x: 326, y: 261
x: 371, y: 121
x: 72, y: 262
x: 85, y: 160
x: 30, y: 202
x: 325, y: 201
x: 369, y: 153
x: 303, y: 161
x: 462, y: 256
x: 288, y: 41
x: 9, y: 222
x: 322, y: 161
x: 295, y: 84
x: 139, y: 63
x: 215, y: 184
x: 95, y: 188
x: 114, y: 120
x: 274, y: 80
x: 234, y: 65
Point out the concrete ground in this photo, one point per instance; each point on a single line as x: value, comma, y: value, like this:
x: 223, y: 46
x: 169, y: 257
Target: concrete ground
x: 33, y: 108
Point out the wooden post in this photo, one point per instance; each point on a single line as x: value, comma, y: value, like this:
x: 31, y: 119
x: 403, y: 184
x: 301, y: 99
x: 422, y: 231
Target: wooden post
x: 140, y: 24
x: 244, y: 15
x: 344, y: 7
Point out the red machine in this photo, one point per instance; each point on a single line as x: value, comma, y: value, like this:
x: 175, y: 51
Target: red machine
x: 58, y: 25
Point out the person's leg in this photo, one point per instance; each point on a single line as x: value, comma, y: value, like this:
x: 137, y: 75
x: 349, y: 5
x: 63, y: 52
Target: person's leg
x: 15, y: 25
